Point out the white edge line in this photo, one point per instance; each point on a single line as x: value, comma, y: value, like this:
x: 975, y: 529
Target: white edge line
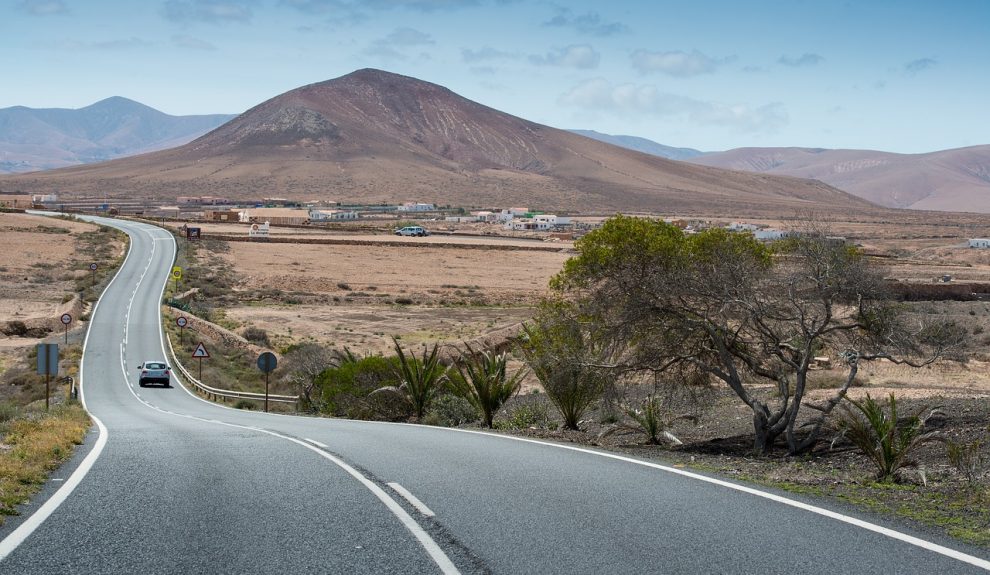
x: 432, y: 549
x: 412, y: 499
x: 904, y: 537
x: 25, y: 529
x: 314, y: 442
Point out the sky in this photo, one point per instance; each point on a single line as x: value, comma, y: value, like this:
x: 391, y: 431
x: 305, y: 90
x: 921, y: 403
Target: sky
x: 896, y: 75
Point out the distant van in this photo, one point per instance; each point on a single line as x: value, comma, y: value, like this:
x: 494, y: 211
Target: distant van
x: 412, y: 231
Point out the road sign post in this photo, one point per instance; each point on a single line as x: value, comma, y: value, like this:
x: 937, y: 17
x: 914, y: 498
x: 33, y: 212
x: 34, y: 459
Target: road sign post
x: 182, y: 322
x: 48, y: 366
x: 200, y: 352
x: 92, y: 272
x: 176, y: 275
x: 267, y: 363
x: 66, y: 320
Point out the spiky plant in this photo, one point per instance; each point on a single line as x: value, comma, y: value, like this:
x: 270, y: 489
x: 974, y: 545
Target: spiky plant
x: 652, y: 419
x: 419, y: 378
x: 482, y: 380
x: 885, y: 440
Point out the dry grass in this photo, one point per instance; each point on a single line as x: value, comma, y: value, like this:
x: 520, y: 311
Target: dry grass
x: 31, y: 447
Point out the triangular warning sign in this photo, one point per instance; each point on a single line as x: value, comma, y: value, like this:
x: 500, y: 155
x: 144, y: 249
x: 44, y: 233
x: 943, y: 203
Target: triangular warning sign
x: 201, y: 351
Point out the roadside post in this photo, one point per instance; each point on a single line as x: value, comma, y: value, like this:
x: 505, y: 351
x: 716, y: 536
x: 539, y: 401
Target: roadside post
x: 66, y: 320
x: 267, y: 363
x: 200, y: 352
x: 47, y: 366
x: 182, y: 322
x: 176, y: 275
x: 92, y: 272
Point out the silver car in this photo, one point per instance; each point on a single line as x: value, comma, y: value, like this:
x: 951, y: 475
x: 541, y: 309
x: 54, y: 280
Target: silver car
x: 155, y: 372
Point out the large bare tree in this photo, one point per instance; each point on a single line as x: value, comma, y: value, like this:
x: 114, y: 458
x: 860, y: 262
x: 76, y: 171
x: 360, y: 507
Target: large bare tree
x: 743, y: 312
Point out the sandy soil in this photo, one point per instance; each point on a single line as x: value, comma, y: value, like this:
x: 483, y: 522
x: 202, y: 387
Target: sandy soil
x: 36, y: 265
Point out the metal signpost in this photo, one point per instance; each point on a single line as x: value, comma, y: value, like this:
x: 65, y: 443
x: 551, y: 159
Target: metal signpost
x: 66, y: 320
x: 92, y: 272
x: 176, y: 275
x: 266, y: 363
x: 182, y: 322
x: 200, y: 353
x: 47, y: 365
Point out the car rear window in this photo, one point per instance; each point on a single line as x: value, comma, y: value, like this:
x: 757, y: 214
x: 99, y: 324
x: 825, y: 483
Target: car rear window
x: 154, y: 366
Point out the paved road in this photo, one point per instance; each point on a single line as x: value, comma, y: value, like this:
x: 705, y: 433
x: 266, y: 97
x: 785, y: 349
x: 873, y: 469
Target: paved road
x: 184, y: 486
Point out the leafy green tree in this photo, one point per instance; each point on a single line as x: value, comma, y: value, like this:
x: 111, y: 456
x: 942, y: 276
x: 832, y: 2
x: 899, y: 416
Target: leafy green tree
x: 743, y: 312
x: 481, y: 378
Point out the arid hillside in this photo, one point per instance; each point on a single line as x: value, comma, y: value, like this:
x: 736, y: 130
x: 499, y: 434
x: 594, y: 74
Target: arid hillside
x: 372, y: 136
x: 948, y: 180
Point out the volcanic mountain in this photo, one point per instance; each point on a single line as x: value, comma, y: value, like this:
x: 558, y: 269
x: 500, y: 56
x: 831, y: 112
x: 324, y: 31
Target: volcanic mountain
x: 948, y: 180
x: 46, y: 138
x: 373, y: 136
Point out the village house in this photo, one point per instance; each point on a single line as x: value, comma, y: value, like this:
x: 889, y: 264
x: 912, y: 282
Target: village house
x: 332, y: 215
x: 979, y: 243
x: 539, y: 222
x: 275, y: 216
x: 416, y: 207
x: 227, y: 215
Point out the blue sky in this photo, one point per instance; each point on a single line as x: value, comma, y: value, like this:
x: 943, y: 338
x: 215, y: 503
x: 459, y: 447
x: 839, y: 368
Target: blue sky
x: 901, y: 76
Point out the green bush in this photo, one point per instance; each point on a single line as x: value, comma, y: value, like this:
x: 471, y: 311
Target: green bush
x: 245, y: 404
x: 345, y: 391
x: 481, y: 378
x: 884, y: 438
x: 534, y: 413
x: 450, y: 411
x: 257, y: 336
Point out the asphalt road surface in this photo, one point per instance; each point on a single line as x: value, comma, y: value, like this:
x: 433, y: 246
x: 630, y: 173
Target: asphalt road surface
x: 174, y: 484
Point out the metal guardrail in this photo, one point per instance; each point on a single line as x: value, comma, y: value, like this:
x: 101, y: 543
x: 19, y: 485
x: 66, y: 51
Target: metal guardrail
x: 214, y: 393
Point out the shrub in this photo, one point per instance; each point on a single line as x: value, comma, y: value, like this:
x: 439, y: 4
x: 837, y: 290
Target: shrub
x: 967, y: 458
x: 481, y: 379
x: 887, y: 441
x: 346, y: 390
x: 420, y: 379
x: 15, y: 328
x: 245, y: 404
x: 653, y: 419
x: 257, y: 335
x: 450, y: 411
x: 527, y: 415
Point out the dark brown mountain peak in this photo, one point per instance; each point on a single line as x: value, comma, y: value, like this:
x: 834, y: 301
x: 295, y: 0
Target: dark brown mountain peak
x: 370, y: 110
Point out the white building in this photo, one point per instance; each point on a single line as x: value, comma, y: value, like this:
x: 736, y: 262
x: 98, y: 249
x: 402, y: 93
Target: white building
x: 771, y: 234
x: 979, y: 243
x: 332, y: 215
x: 742, y: 227
x: 539, y: 222
x: 416, y: 207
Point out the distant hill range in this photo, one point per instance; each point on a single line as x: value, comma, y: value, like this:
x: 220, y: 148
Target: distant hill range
x: 949, y: 180
x: 373, y: 136
x: 642, y: 145
x: 41, y: 139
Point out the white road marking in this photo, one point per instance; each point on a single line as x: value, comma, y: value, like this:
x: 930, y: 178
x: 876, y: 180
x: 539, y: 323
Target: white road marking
x: 317, y: 443
x: 24, y: 530
x: 904, y: 537
x: 412, y: 499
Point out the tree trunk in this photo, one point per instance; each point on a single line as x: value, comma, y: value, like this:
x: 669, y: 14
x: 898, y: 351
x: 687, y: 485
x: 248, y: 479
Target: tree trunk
x: 765, y: 433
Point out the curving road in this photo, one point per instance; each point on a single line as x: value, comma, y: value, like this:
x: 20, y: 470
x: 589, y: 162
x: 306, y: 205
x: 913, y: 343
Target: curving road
x: 175, y: 484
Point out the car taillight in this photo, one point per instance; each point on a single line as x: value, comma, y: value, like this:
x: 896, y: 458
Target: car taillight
x: 144, y: 373
x: 168, y: 372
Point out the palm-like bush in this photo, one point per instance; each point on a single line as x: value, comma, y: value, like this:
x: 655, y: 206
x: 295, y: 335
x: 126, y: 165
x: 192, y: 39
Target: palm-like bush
x: 653, y: 419
x: 482, y: 380
x: 887, y: 441
x: 419, y: 378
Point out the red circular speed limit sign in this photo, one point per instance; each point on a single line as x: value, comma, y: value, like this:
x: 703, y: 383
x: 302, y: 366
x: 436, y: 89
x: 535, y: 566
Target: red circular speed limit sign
x: 181, y: 322
x: 66, y: 318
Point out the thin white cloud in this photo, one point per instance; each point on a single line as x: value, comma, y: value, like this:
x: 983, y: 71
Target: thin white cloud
x: 208, y: 11
x: 332, y: 6
x: 485, y: 54
x: 580, y: 56
x: 631, y: 99
x: 191, y: 43
x: 396, y: 45
x: 590, y: 23
x: 806, y: 59
x: 919, y: 65
x: 42, y: 7
x: 675, y: 63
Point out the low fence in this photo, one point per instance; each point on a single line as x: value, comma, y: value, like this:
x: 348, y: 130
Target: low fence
x: 217, y: 394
